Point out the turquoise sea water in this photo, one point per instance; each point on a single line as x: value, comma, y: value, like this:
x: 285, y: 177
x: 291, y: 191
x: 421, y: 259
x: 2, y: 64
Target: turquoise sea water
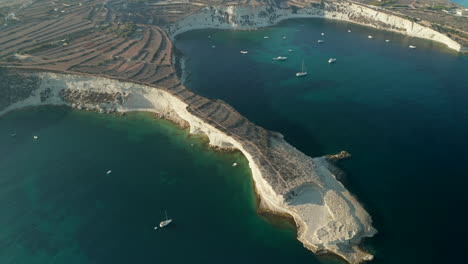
x: 58, y: 205
x: 402, y: 113
x: 461, y: 2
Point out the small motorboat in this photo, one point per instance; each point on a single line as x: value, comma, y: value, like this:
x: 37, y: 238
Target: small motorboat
x: 290, y: 50
x: 213, y: 46
x: 165, y: 222
x: 320, y: 41
x: 387, y: 40
x: 13, y: 134
x: 323, y: 34
x: 108, y: 172
x: 331, y: 60
x: 266, y: 37
x: 234, y: 164
x: 280, y: 58
x: 35, y: 137
x: 370, y: 36
x: 244, y: 52
x: 412, y: 47
x: 349, y: 31
x: 284, y: 37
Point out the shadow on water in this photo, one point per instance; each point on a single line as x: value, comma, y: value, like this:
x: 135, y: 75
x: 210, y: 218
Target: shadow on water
x: 400, y: 112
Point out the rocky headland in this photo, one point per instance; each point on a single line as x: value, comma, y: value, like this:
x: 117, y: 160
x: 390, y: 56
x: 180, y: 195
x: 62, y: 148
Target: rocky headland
x: 328, y: 217
x: 95, y: 56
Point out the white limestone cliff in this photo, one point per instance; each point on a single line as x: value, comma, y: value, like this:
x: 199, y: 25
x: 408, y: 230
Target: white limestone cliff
x: 251, y: 17
x: 328, y: 217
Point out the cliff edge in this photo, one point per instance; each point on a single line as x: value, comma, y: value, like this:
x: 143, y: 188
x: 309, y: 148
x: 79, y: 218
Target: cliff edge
x: 328, y: 217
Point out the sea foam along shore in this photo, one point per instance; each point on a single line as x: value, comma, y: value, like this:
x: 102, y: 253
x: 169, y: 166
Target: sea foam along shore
x: 250, y: 17
x: 328, y: 217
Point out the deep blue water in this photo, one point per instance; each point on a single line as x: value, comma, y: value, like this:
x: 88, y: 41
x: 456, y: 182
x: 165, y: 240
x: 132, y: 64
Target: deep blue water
x: 402, y: 113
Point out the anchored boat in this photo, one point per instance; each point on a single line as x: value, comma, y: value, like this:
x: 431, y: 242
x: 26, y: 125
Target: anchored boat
x: 280, y: 58
x: 165, y: 222
x: 303, y: 71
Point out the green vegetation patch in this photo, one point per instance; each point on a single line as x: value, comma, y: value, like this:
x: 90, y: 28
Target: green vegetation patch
x: 437, y: 7
x: 123, y: 30
x: 383, y: 3
x: 449, y: 31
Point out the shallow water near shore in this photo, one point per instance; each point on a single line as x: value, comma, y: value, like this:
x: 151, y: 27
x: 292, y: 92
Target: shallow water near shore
x: 58, y: 205
x: 461, y: 2
x: 400, y: 112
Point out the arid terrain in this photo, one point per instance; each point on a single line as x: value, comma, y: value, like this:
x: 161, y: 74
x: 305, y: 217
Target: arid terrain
x: 131, y: 41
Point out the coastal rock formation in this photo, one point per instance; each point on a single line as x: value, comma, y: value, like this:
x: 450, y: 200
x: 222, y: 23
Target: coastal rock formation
x: 248, y: 17
x: 339, y: 156
x: 328, y: 217
x: 104, y: 65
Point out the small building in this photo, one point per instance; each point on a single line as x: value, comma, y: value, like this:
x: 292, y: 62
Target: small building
x: 456, y: 11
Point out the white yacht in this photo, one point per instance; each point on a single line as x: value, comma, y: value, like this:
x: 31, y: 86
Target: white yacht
x: 387, y: 40
x: 331, y: 60
x: 35, y: 137
x: 244, y: 52
x: 290, y: 50
x: 412, y: 47
x: 320, y: 41
x: 165, y: 222
x: 234, y: 164
x: 323, y: 34
x: 266, y: 37
x: 108, y: 172
x: 280, y: 58
x: 370, y: 36
x: 303, y: 71
x: 349, y: 31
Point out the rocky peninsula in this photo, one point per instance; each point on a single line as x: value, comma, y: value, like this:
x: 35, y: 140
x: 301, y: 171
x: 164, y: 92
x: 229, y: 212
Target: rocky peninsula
x: 109, y: 56
x: 328, y: 217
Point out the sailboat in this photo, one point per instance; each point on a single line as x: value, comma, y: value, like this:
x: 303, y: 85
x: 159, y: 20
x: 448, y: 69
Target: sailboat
x: 165, y: 222
x: 303, y: 71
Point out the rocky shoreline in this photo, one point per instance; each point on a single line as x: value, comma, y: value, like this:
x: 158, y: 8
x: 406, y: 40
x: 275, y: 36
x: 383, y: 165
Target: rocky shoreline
x: 328, y: 217
x: 251, y: 17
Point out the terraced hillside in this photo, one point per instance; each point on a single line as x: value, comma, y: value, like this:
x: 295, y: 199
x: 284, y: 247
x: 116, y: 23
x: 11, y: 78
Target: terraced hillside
x: 90, y: 38
x: 84, y: 39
